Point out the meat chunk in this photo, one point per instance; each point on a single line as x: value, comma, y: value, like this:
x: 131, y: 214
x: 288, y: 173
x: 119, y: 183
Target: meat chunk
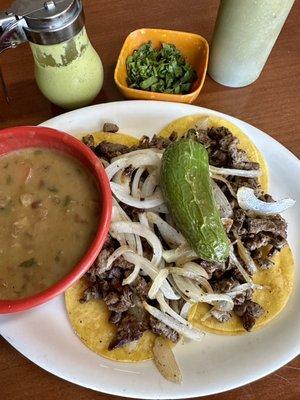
x: 161, y: 329
x: 128, y: 330
x: 119, y: 302
x: 224, y: 285
x: 109, y: 150
x: 239, y: 216
x: 211, y: 267
x: 274, y: 224
x: 249, y: 311
x: 109, y: 127
x: 89, y: 141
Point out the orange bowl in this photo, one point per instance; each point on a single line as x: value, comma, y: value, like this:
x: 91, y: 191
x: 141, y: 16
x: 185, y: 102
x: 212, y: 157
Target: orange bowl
x: 193, y: 47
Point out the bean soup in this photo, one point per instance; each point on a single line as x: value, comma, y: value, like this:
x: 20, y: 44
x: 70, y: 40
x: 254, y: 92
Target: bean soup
x: 49, y: 213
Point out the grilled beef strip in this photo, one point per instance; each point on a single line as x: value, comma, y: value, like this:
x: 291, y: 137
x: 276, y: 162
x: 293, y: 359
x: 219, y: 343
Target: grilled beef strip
x: 125, y: 302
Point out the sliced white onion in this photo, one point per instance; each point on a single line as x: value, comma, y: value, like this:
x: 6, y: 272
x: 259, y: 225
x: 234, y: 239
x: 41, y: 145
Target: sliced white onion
x: 168, y: 310
x: 195, y: 293
x: 223, y: 204
x: 135, y: 161
x: 136, y: 228
x: 196, y: 269
x: 150, y: 183
x: 203, y: 124
x: 135, y: 190
x: 162, y: 209
x: 241, y: 269
x: 169, y: 234
x: 152, y: 201
x: 255, y: 173
x: 149, y: 269
x: 132, y: 277
x: 157, y: 283
x: 245, y: 255
x: 120, y: 215
x: 104, y: 162
x: 248, y: 201
x: 123, y: 181
x: 227, y: 223
x: 143, y: 219
x: 240, y: 289
x: 193, y: 276
x: 227, y: 183
x: 180, y: 255
x: 142, y: 152
x: 118, y: 253
x: 185, y: 310
x: 184, y: 330
x: 116, y: 217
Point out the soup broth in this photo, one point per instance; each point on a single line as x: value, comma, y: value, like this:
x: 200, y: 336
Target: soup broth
x: 49, y: 213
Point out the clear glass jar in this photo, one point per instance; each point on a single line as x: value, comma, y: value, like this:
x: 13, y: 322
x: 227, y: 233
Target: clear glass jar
x: 245, y: 33
x: 69, y: 74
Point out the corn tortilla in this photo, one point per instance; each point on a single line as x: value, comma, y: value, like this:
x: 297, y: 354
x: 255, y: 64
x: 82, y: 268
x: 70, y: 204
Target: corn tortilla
x: 279, y: 279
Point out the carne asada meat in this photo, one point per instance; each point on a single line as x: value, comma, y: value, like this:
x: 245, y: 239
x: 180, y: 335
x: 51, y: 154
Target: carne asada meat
x: 109, y: 127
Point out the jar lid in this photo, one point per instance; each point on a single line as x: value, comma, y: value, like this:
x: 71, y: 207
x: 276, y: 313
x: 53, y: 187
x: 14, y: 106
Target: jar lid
x: 50, y: 22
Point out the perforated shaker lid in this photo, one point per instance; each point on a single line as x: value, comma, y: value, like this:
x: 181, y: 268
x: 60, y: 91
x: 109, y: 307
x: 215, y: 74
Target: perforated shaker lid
x: 50, y: 22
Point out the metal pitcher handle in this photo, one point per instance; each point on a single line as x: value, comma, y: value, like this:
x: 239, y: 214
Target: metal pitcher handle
x: 11, y: 31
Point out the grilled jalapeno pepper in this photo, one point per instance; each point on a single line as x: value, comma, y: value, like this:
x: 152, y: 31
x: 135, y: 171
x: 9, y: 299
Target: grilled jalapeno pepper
x: 186, y: 187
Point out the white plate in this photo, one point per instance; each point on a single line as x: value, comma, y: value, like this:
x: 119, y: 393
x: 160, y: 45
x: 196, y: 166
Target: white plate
x: 218, y: 363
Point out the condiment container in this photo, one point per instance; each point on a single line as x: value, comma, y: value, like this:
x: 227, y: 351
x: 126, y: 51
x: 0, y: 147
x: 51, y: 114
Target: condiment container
x: 193, y: 47
x: 68, y: 70
x: 245, y: 33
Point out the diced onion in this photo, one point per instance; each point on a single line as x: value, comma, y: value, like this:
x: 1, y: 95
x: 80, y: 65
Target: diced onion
x: 248, y: 201
x: 157, y: 283
x: 235, y: 172
x: 184, y: 330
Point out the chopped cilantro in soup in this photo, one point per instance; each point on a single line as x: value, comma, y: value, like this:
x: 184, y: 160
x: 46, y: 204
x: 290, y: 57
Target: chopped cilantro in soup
x: 49, y: 212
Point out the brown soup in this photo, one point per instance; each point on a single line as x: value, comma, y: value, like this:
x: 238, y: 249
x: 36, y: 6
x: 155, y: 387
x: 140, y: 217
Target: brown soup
x: 49, y: 213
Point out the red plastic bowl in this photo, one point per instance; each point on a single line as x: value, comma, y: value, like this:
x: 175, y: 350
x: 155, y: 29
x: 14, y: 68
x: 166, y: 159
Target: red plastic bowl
x: 12, y: 139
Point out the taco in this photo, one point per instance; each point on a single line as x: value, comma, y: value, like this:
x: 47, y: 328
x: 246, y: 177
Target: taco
x: 137, y: 288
